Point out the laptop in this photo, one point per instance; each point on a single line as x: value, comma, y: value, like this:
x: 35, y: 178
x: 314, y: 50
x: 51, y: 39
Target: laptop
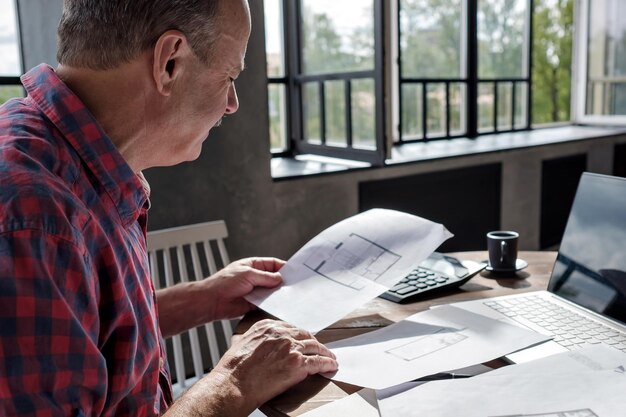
x: 585, y: 303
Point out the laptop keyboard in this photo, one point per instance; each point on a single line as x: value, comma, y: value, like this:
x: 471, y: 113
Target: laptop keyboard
x: 570, y: 329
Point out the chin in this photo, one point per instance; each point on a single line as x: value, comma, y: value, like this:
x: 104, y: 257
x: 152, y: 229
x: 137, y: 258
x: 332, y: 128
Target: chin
x: 194, y: 153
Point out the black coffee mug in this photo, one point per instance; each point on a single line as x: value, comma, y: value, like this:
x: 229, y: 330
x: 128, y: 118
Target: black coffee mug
x: 502, y: 246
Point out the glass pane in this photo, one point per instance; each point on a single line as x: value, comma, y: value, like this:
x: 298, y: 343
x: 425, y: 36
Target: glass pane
x: 505, y: 105
x: 430, y: 38
x: 521, y: 107
x: 458, y: 123
x: 311, y: 108
x: 274, y: 44
x: 335, y: 100
x: 502, y: 38
x: 277, y: 115
x: 485, y: 107
x: 338, y: 36
x: 9, y: 50
x: 412, y: 111
x: 606, y: 58
x: 553, y: 25
x: 436, y: 109
x: 363, y: 114
x: 9, y: 91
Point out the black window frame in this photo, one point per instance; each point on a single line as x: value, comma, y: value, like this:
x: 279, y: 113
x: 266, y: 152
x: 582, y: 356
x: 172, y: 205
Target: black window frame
x: 294, y: 81
x: 14, y: 80
x: 471, y: 81
x: 389, y: 94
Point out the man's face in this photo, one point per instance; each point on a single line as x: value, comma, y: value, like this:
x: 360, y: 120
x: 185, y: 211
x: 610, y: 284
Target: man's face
x: 207, y: 92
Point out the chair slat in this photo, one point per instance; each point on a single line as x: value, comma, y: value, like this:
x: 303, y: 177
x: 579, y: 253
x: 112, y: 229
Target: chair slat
x: 179, y: 359
x: 199, y: 238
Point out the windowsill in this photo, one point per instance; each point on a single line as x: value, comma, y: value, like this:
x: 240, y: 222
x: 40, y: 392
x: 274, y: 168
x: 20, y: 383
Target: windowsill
x: 306, y: 165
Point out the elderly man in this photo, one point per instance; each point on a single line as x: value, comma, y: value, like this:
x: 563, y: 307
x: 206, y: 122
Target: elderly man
x: 139, y: 85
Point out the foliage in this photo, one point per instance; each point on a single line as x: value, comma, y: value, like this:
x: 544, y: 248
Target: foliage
x: 8, y: 92
x: 552, y: 61
x: 431, y: 46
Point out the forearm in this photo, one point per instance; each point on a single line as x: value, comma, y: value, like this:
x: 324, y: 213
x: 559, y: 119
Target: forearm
x: 215, y: 395
x: 184, y: 306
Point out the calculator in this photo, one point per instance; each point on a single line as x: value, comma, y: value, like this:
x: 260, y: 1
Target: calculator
x: 437, y: 273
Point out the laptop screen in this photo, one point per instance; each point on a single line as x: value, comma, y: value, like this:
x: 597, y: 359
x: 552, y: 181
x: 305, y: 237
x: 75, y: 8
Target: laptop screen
x: 590, y: 269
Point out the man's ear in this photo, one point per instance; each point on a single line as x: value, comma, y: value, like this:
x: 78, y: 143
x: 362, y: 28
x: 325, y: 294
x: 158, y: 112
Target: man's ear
x: 168, y: 62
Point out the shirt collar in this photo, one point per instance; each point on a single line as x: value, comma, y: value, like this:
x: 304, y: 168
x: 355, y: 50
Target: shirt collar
x: 79, y: 127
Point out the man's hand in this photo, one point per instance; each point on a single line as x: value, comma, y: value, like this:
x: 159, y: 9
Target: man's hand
x: 268, y: 359
x: 228, y: 286
x: 217, y: 297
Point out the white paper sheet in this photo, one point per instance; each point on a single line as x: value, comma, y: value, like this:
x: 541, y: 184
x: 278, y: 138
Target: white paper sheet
x: 588, y: 383
x: 438, y: 340
x: 593, y: 358
x: 359, y: 404
x: 349, y: 264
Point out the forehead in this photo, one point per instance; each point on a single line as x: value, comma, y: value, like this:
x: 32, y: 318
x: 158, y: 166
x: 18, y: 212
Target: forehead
x: 234, y: 31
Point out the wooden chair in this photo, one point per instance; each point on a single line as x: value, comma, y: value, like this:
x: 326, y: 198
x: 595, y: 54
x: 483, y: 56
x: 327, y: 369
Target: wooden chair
x: 182, y: 254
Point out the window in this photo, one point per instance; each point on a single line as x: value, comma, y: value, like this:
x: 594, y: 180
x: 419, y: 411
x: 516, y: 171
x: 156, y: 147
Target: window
x: 10, y: 64
x: 602, y: 62
x: 325, y: 77
x: 452, y: 68
x: 553, y: 28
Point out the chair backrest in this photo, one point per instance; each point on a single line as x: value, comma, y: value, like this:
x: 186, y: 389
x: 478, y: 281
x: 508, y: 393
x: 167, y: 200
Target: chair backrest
x: 190, y: 248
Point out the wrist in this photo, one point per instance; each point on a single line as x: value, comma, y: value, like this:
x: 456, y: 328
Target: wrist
x: 216, y: 394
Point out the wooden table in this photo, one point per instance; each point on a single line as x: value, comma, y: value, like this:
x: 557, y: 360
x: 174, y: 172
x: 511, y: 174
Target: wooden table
x: 316, y: 391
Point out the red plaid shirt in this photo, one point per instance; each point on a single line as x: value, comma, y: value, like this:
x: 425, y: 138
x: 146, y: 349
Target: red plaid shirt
x: 78, y: 324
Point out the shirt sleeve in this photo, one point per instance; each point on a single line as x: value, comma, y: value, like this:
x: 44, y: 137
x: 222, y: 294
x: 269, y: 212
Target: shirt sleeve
x: 50, y: 364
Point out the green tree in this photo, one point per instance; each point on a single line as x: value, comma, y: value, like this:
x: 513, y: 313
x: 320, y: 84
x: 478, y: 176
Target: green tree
x: 552, y: 60
x: 430, y: 41
x: 8, y: 92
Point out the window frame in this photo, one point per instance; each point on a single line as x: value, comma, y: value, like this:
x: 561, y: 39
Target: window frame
x: 14, y: 80
x: 294, y: 81
x: 389, y: 83
x: 471, y: 80
x: 580, y: 72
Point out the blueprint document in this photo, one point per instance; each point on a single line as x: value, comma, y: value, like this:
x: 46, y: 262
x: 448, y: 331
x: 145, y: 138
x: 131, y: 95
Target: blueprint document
x: 438, y: 340
x: 584, y: 383
x: 347, y: 265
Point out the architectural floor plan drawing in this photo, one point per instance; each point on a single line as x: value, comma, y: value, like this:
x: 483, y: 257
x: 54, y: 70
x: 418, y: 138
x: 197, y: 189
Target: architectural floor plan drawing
x: 427, y: 344
x: 352, y: 262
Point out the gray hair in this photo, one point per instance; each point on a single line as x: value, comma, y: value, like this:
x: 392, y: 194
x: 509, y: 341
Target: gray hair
x: 103, y: 34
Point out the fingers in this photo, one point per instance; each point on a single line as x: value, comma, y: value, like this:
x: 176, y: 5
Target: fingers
x: 267, y: 264
x: 259, y: 278
x: 313, y: 347
x: 316, y: 358
x: 320, y: 364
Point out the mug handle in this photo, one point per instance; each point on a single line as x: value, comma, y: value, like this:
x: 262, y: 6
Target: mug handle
x: 503, y: 250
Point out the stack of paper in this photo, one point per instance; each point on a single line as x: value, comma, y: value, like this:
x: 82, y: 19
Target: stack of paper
x: 583, y: 383
x: 438, y: 340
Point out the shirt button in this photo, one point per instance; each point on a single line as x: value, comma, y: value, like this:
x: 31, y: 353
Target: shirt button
x: 161, y: 363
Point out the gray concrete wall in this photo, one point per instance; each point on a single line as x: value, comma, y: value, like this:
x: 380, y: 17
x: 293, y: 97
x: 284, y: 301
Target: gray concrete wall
x: 231, y: 180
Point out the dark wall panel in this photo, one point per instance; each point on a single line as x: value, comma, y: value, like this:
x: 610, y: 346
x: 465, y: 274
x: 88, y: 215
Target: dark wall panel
x: 559, y: 181
x: 466, y: 201
x: 619, y: 164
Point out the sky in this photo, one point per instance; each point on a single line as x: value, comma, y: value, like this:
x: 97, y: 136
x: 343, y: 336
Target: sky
x: 9, y: 55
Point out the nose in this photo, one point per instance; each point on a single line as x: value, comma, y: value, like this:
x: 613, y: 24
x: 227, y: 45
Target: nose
x: 233, y: 101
